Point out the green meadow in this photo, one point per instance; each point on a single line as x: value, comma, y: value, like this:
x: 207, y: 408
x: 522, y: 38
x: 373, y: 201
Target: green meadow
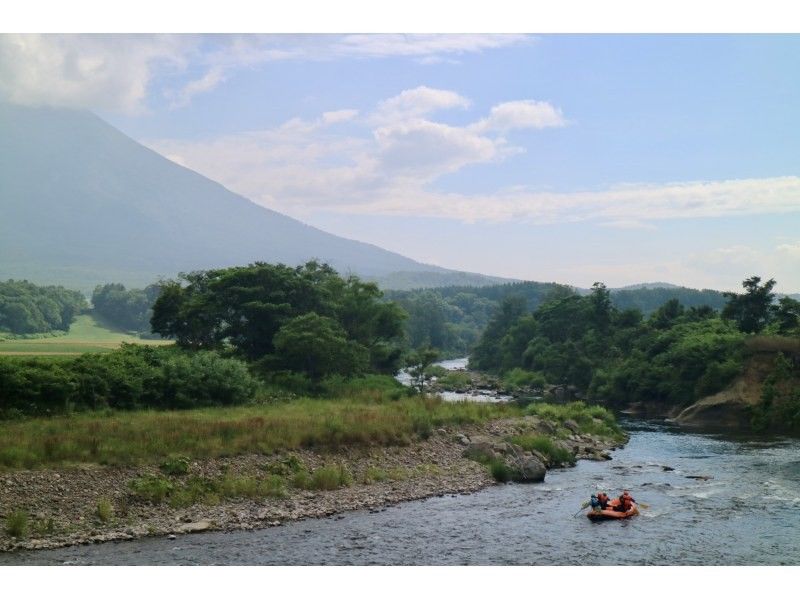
x: 88, y: 334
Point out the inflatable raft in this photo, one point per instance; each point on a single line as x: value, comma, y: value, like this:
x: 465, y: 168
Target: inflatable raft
x: 610, y: 513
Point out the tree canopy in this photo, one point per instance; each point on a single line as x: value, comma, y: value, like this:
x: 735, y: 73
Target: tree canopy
x: 26, y: 308
x: 752, y: 309
x: 266, y: 312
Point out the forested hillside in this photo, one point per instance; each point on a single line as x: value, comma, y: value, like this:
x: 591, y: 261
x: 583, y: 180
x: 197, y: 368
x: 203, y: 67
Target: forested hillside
x: 674, y: 356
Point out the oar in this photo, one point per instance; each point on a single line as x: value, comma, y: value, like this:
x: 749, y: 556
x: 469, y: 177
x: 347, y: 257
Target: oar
x: 586, y: 504
x: 643, y: 505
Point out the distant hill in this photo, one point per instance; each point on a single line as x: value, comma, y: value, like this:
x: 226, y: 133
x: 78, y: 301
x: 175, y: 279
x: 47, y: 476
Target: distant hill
x: 647, y: 285
x: 406, y: 281
x: 81, y: 204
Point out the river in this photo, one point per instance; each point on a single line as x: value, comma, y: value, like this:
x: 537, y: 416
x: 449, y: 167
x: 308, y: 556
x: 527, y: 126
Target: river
x: 746, y: 513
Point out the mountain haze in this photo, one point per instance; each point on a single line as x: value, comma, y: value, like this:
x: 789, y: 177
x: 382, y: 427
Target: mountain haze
x: 81, y: 203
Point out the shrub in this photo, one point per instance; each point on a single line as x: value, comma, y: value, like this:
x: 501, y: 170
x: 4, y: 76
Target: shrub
x: 17, y: 524
x: 131, y: 377
x: 175, y: 465
x: 545, y: 446
x: 518, y: 378
x: 330, y: 477
x: 500, y: 471
x: 375, y: 474
x: 152, y: 489
x: 104, y: 510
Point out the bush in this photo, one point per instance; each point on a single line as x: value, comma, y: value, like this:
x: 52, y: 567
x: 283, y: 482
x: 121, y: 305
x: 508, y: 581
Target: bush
x: 17, y: 524
x: 329, y: 477
x: 500, y: 471
x: 545, y: 446
x: 375, y: 474
x: 104, y: 510
x: 175, y: 465
x: 518, y: 378
x: 152, y: 489
x: 132, y: 377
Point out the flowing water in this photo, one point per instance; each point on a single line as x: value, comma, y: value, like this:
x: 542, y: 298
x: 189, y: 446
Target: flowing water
x: 476, y: 396
x: 743, y: 509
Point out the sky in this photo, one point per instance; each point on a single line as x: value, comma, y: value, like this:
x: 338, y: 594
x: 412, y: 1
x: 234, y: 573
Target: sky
x: 568, y: 158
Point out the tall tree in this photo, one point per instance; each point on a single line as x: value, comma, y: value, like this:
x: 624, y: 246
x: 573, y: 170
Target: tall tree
x: 751, y: 310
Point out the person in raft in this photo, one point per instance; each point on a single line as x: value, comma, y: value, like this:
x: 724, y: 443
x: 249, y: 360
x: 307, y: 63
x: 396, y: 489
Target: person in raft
x: 599, y: 501
x: 625, y: 502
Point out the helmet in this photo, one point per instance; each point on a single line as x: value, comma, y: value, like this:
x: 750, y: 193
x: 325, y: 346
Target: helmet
x: 594, y: 496
x: 624, y: 493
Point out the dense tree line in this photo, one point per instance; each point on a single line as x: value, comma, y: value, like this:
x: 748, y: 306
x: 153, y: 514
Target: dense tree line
x: 451, y: 319
x: 127, y: 309
x: 304, y: 319
x: 133, y: 377
x: 675, y: 355
x: 26, y: 308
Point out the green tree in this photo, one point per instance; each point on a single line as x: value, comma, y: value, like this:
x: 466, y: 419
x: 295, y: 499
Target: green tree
x: 418, y: 363
x: 750, y: 310
x: 318, y: 346
x: 787, y: 316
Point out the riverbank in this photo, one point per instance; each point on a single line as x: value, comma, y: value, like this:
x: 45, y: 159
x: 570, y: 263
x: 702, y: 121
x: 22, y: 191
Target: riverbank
x: 92, y: 503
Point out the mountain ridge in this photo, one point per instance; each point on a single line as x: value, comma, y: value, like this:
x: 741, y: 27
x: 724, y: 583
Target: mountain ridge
x: 82, y: 203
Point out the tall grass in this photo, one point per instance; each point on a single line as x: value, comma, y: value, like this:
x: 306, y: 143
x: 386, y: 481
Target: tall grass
x: 122, y: 438
x: 17, y: 524
x: 591, y: 419
x: 545, y: 446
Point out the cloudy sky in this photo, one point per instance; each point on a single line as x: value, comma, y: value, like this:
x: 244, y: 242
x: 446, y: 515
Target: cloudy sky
x: 567, y: 158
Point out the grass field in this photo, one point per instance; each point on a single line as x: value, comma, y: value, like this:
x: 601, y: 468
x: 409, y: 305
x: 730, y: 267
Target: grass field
x: 123, y: 438
x: 88, y: 334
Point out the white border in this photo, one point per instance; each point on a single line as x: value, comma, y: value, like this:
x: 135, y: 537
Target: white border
x: 404, y: 16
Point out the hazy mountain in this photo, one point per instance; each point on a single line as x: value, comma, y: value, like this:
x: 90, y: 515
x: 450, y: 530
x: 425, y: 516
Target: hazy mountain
x: 406, y: 281
x: 647, y: 285
x: 81, y: 203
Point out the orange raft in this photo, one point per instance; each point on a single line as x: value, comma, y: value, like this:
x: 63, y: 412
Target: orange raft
x: 610, y: 513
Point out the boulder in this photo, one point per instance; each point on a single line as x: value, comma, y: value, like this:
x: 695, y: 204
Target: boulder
x: 479, y: 452
x: 528, y: 470
x: 196, y: 526
x: 572, y: 426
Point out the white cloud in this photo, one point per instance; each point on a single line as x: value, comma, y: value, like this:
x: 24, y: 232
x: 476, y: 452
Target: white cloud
x: 417, y: 102
x: 338, y: 116
x: 424, y: 44
x: 305, y: 164
x: 392, y: 170
x: 790, y: 251
x: 84, y: 71
x: 524, y: 114
x: 734, y: 263
x: 114, y: 72
x: 204, y: 84
x: 422, y: 150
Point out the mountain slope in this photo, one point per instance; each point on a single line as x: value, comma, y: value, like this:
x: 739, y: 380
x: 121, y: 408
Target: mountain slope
x: 81, y: 203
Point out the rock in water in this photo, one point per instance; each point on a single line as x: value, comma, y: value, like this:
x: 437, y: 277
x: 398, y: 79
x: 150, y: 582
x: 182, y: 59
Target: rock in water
x: 529, y: 470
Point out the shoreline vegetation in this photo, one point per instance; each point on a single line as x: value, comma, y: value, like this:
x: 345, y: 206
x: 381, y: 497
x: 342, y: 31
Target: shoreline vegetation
x: 96, y: 477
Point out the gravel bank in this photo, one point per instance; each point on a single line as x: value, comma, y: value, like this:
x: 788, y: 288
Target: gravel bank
x: 62, y: 503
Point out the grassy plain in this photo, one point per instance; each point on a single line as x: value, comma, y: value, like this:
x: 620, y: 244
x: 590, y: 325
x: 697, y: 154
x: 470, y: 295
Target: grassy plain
x: 88, y: 334
x: 120, y: 438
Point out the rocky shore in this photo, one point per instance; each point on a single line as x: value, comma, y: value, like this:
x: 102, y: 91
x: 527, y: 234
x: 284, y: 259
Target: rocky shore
x: 62, y: 505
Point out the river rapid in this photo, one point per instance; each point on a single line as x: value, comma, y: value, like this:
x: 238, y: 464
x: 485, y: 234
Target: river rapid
x: 747, y: 512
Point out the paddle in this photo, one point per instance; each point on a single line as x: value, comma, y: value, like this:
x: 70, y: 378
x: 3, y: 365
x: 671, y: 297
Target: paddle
x: 586, y: 504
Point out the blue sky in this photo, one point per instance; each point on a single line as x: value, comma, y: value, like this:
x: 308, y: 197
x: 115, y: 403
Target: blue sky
x: 576, y: 158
